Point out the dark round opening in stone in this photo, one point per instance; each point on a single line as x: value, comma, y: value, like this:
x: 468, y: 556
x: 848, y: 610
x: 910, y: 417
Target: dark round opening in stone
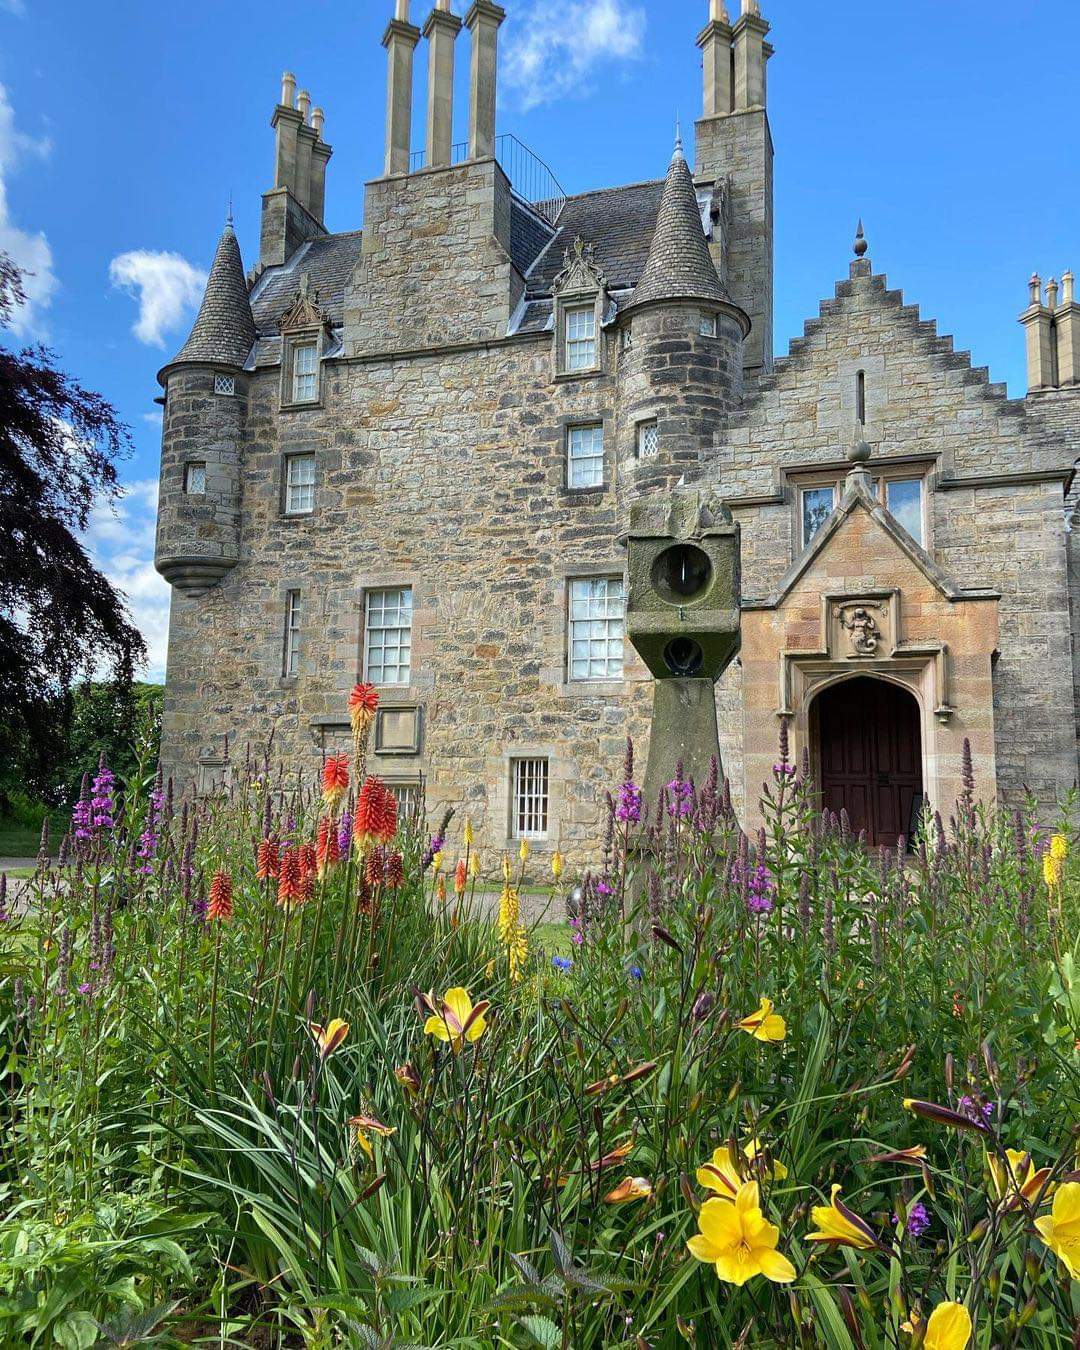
x: 681, y: 573
x: 683, y: 656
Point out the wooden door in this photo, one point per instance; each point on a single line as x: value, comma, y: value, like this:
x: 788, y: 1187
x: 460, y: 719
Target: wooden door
x: 870, y: 757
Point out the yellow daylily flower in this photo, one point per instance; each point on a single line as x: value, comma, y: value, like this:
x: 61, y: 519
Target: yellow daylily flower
x: 632, y: 1188
x: 365, y: 1126
x: 764, y: 1025
x: 1060, y: 1229
x: 721, y: 1175
x: 467, y: 833
x: 1020, y: 1179
x: 774, y: 1170
x: 455, y: 1020
x: 840, y: 1226
x: 557, y: 864
x: 739, y: 1241
x: 329, y: 1038
x: 949, y: 1328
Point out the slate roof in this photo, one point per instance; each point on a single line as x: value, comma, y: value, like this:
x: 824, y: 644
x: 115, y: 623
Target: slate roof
x: 224, y: 331
x: 618, y: 221
x: 679, y: 266
x: 329, y: 264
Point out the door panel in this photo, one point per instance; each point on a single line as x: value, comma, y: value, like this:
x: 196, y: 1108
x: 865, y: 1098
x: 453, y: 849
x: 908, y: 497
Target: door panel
x: 870, y: 752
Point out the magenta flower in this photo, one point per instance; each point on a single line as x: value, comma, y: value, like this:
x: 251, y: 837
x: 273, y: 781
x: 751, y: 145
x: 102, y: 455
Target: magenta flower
x: 628, y: 804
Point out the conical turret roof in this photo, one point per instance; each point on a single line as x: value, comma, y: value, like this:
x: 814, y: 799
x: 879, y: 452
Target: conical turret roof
x: 224, y: 332
x: 679, y: 266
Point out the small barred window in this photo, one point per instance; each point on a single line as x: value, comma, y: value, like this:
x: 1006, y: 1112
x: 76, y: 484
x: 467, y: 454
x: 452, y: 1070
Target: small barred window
x: 530, y: 799
x: 195, y: 479
x: 225, y: 385
x: 648, y: 440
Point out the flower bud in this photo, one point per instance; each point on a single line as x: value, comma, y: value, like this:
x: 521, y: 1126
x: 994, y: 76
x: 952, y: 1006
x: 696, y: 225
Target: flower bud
x: 993, y: 1285
x: 1027, y: 1312
x: 704, y: 1005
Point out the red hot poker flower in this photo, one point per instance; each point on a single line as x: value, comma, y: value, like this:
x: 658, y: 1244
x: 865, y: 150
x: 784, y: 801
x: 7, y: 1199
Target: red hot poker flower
x: 395, y: 871
x: 290, y: 878
x: 363, y: 704
x: 220, y: 908
x: 376, y: 815
x: 327, y: 850
x: 268, y: 860
x: 335, y: 781
x: 309, y: 859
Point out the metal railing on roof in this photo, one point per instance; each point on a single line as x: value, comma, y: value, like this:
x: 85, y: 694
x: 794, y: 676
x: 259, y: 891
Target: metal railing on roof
x: 531, y: 179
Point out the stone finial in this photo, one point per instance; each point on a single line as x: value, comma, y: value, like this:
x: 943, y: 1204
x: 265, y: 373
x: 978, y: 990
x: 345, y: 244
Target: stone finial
x: 1068, y: 288
x: 1035, y: 285
x: 1051, y: 295
x: 288, y: 90
x: 860, y: 453
x: 678, y: 152
x: 859, y: 475
x: 861, y: 245
x: 443, y: 5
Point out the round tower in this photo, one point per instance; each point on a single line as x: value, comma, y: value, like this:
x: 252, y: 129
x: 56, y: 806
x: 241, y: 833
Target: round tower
x: 680, y: 368
x: 198, y: 531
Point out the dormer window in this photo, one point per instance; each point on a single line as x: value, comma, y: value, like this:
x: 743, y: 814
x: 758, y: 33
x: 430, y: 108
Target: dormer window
x: 580, y: 338
x: 305, y: 372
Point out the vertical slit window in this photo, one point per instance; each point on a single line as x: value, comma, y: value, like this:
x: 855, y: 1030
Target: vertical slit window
x: 388, y: 636
x: 530, y: 799
x: 860, y: 397
x: 291, y: 664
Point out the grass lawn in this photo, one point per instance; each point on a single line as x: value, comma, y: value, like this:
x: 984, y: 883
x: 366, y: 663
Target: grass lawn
x: 554, y: 938
x: 20, y: 839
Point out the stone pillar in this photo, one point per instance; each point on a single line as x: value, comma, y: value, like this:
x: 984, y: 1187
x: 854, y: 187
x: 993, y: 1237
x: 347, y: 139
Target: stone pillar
x: 305, y: 142
x: 400, y: 41
x: 1038, y: 322
x: 483, y: 21
x: 1067, y: 331
x: 715, y: 44
x: 441, y: 31
x: 751, y: 54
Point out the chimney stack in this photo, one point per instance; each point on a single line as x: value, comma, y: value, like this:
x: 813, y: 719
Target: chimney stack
x: 400, y: 41
x: 752, y: 53
x: 1038, y: 321
x: 483, y: 21
x: 294, y: 209
x: 1067, y: 332
x: 441, y: 31
x: 715, y: 44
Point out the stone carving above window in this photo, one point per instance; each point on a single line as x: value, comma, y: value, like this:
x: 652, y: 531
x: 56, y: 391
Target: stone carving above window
x: 581, y: 273
x: 304, y: 312
x: 864, y: 622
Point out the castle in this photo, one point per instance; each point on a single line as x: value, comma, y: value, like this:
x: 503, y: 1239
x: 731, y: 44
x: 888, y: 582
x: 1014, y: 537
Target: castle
x: 407, y: 454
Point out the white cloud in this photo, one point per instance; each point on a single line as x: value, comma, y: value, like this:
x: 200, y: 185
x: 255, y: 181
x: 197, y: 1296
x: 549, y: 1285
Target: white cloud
x: 556, y: 45
x: 120, y: 541
x: 166, y: 285
x: 30, y: 252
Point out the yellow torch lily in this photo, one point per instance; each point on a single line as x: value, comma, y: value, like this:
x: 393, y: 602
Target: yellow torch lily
x: 467, y: 833
x: 839, y: 1226
x: 557, y: 865
x: 765, y: 1024
x: 454, y: 1020
x: 329, y: 1038
x: 523, y: 850
x: 1060, y: 1229
x: 949, y: 1328
x: 739, y: 1241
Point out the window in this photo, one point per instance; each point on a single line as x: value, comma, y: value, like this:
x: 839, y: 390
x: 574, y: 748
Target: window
x: 707, y: 327
x: 648, y: 440
x: 195, y: 479
x: 299, y: 485
x: 530, y: 805
x: 225, y: 385
x: 585, y: 449
x: 291, y: 664
x: 860, y: 397
x: 581, y: 337
x: 388, y: 636
x: 903, y: 497
x: 305, y: 371
x: 628, y: 338
x: 816, y: 506
x: 597, y: 616
x: 408, y: 801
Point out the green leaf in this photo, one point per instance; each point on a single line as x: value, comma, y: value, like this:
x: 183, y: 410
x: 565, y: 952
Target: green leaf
x: 543, y: 1330
x: 837, y: 1336
x: 78, y: 1331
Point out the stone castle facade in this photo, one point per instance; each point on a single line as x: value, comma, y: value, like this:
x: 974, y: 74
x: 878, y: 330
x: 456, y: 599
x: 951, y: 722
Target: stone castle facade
x: 408, y: 454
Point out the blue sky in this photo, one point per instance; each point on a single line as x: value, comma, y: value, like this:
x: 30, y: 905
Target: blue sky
x: 124, y: 128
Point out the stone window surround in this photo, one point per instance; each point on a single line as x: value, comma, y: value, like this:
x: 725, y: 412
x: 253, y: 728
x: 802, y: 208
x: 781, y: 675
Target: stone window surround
x: 638, y: 418
x: 566, y: 422
x: 190, y: 477
x: 882, y: 471
x: 294, y: 610
x: 289, y: 342
x: 379, y: 580
x: 579, y: 300
x: 560, y: 770
x: 555, y: 672
x: 296, y: 452
x: 282, y: 592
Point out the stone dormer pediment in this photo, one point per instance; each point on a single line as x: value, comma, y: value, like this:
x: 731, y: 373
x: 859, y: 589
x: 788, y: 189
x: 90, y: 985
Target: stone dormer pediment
x: 581, y: 274
x: 304, y: 313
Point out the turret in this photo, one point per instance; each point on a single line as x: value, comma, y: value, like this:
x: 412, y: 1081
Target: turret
x: 198, y: 533
x: 681, y: 341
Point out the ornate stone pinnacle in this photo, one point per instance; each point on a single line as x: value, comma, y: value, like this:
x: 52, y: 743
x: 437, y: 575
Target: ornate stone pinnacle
x: 678, y: 139
x: 1036, y: 288
x: 861, y: 245
x: 859, y: 453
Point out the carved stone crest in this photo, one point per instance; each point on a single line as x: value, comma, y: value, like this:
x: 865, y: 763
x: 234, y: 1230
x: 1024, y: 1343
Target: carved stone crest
x: 860, y: 622
x: 304, y: 312
x: 580, y: 270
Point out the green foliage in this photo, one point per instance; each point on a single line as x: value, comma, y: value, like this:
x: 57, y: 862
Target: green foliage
x: 410, y: 1189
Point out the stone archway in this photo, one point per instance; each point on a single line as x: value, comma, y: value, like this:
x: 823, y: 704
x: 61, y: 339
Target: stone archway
x: 866, y: 741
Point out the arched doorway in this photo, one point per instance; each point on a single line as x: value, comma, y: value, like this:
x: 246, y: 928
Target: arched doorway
x: 868, y: 738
